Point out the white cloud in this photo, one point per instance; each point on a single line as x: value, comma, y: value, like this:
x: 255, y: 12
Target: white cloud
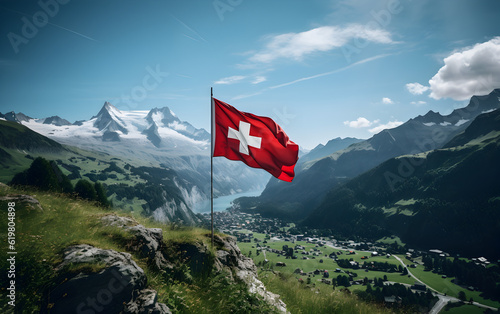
x: 387, y: 101
x: 390, y: 125
x: 230, y: 80
x: 259, y: 79
x: 325, y: 38
x: 359, y: 123
x: 416, y: 88
x: 418, y: 103
x: 471, y: 71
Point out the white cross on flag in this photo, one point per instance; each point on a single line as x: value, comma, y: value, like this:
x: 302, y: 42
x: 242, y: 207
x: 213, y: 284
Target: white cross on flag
x: 257, y: 141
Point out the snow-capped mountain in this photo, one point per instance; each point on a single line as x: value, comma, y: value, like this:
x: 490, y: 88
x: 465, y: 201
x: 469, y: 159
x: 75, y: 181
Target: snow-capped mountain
x: 166, y: 118
x: 55, y: 120
x: 16, y: 117
x: 158, y: 128
x: 154, y: 138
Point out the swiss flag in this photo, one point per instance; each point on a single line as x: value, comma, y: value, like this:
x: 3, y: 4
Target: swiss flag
x: 257, y: 141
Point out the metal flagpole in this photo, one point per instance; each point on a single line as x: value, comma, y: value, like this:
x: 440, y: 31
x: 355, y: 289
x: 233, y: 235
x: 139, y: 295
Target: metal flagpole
x: 212, y: 134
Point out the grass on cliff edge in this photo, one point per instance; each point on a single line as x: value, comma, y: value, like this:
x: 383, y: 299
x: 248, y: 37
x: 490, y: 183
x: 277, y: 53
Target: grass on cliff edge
x: 43, y: 234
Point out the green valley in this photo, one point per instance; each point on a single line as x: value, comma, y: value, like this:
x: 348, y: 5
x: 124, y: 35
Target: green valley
x: 349, y: 265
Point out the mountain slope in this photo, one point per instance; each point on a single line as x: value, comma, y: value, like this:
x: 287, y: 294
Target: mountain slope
x: 447, y: 198
x: 157, y: 138
x: 331, y: 147
x: 16, y: 136
x: 151, y: 191
x: 86, y: 259
x: 315, y: 178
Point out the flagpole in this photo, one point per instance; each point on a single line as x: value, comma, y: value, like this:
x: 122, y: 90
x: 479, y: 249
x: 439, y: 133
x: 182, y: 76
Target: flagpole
x: 212, y: 134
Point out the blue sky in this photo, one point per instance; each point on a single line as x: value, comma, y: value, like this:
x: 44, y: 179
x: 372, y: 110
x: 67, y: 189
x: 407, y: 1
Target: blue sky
x: 321, y: 69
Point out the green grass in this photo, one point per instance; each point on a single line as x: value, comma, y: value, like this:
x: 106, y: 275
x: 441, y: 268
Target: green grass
x: 89, y: 163
x: 313, y: 264
x: 7, y: 171
x: 390, y: 240
x: 433, y: 280
x: 320, y: 297
x: 132, y: 207
x: 314, y: 299
x: 460, y: 308
x: 42, y: 235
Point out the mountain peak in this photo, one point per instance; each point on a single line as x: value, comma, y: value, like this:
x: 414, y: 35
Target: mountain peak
x: 109, y: 108
x: 12, y: 116
x: 56, y: 120
x: 430, y: 117
x: 109, y: 118
x: 162, y: 116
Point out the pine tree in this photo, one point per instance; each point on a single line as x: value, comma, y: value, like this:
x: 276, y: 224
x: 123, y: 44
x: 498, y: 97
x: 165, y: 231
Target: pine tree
x: 44, y: 175
x: 461, y: 296
x: 85, y: 190
x: 101, y: 195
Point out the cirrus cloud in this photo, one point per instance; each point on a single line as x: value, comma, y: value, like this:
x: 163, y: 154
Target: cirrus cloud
x: 296, y: 46
x: 471, y: 71
x: 420, y: 102
x: 259, y: 79
x: 230, y: 80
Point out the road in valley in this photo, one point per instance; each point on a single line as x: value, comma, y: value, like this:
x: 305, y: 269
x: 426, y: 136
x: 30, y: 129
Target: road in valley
x: 443, y: 299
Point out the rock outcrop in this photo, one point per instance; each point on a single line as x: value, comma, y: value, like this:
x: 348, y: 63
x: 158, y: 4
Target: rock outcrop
x: 30, y: 201
x: 119, y: 282
x: 119, y: 285
x: 146, y: 303
x: 147, y: 241
x: 231, y: 261
x: 230, y: 257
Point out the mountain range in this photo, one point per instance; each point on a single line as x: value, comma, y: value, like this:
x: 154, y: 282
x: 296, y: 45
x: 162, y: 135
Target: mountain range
x: 150, y: 161
x: 447, y: 198
x: 153, y: 138
x: 316, y: 177
x: 154, y: 160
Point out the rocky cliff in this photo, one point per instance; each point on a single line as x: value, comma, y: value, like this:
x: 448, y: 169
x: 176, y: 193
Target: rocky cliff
x: 94, y: 280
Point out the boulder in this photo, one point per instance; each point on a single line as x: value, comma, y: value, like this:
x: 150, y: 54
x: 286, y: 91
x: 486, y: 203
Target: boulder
x: 28, y: 200
x: 120, y: 282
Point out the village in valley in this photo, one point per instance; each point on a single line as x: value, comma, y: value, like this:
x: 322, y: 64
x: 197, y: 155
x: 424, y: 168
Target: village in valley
x: 386, y: 270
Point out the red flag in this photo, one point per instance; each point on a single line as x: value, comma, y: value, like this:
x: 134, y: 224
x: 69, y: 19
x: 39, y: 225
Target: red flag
x: 257, y: 141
